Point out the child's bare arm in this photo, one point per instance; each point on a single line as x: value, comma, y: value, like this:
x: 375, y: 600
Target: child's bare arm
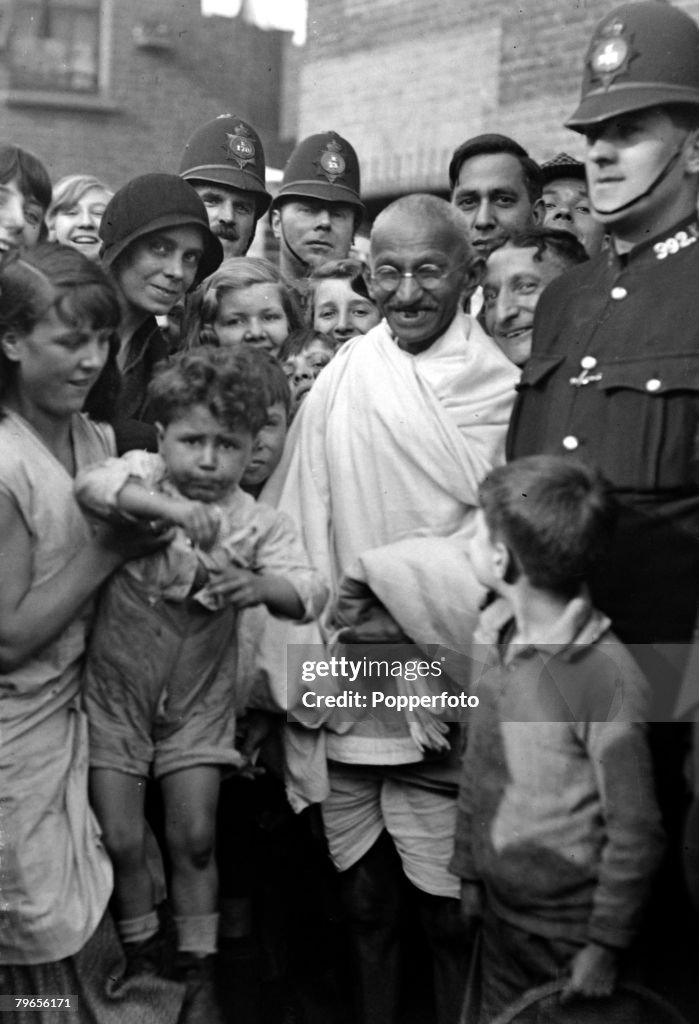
x: 593, y: 972
x: 245, y: 589
x: 199, y: 520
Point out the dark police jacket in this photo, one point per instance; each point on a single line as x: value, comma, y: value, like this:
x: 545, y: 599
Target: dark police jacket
x: 613, y: 379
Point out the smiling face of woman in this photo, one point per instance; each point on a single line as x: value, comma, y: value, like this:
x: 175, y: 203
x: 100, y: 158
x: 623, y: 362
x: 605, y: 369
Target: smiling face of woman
x: 159, y: 269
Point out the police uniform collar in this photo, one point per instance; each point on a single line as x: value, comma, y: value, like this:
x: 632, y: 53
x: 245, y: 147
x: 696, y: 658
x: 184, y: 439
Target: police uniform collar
x: 682, y: 235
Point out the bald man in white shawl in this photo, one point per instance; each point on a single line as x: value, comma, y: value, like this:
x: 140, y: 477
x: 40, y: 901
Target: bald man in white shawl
x: 392, y: 442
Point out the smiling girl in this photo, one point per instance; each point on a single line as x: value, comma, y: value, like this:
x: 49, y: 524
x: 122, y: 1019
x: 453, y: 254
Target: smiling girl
x: 156, y: 247
x: 247, y: 300
x: 75, y: 213
x: 58, y: 315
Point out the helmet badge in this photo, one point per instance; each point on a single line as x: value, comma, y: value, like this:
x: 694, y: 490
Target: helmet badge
x: 331, y: 161
x: 240, y: 146
x: 610, y: 54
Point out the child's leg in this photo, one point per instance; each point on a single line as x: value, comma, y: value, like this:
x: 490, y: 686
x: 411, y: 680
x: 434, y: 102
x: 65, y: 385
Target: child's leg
x: 513, y: 961
x: 117, y: 799
x: 191, y: 797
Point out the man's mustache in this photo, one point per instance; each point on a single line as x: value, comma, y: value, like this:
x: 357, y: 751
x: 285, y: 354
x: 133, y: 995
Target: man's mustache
x: 227, y: 233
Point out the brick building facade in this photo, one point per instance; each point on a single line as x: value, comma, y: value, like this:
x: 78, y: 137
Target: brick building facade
x: 115, y: 87
x: 407, y: 80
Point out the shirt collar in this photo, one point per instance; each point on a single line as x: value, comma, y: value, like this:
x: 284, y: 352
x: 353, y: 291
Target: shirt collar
x: 578, y: 627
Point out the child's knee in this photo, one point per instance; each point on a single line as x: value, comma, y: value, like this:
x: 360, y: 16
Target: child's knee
x: 193, y: 841
x: 125, y: 843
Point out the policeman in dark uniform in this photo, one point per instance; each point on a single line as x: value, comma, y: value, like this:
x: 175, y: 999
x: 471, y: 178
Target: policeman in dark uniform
x: 225, y: 162
x: 613, y: 378
x: 317, y: 209
x: 614, y: 372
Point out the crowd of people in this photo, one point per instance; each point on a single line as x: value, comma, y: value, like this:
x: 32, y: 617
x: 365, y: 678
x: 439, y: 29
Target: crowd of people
x: 462, y: 467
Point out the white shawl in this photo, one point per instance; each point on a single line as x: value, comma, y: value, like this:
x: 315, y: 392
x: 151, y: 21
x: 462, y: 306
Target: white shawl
x: 391, y: 446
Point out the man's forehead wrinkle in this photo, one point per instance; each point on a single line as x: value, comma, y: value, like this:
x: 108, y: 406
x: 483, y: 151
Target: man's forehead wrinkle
x: 400, y: 232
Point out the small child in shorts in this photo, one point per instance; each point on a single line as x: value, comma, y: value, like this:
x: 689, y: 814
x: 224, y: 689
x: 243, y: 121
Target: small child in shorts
x: 558, y: 833
x: 160, y: 669
x: 303, y: 356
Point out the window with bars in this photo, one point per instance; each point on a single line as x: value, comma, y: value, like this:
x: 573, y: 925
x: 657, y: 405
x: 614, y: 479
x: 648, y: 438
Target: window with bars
x: 54, y: 46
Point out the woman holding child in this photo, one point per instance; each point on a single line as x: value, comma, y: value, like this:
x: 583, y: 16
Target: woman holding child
x: 58, y: 317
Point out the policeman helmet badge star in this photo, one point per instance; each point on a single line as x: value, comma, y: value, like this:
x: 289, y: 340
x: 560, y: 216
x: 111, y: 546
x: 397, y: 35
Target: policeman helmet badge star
x: 331, y: 163
x: 240, y: 146
x: 610, y: 53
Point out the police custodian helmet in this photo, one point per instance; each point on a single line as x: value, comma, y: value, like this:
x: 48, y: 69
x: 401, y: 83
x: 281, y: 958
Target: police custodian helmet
x: 325, y: 167
x: 228, y: 151
x: 641, y: 55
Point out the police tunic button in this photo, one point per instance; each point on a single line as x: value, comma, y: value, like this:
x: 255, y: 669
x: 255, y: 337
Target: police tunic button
x: 653, y: 384
x: 588, y: 362
x: 619, y: 292
x: 570, y: 443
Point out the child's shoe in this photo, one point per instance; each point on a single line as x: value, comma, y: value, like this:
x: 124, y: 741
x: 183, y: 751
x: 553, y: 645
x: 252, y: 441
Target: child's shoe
x: 201, y: 1003
x: 155, y: 955
x: 147, y: 957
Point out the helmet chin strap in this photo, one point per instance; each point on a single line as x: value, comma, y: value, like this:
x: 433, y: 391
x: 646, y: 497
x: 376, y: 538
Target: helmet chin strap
x: 651, y: 188
x: 291, y: 249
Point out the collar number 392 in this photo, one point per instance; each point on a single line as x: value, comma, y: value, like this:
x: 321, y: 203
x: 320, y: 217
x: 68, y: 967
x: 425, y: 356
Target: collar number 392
x: 671, y: 245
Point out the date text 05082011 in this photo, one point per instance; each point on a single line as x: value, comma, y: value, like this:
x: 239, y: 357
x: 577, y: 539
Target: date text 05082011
x: 29, y: 1002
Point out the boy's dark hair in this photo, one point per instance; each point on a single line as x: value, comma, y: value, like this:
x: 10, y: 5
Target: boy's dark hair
x: 274, y: 379
x: 347, y: 269
x: 555, y: 515
x: 492, y: 143
x: 30, y: 172
x: 299, y: 340
x: 228, y: 381
x: 561, y: 245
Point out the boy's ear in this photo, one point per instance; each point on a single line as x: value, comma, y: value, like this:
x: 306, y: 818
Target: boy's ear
x: 276, y: 222
x: 8, y: 344
x: 502, y: 561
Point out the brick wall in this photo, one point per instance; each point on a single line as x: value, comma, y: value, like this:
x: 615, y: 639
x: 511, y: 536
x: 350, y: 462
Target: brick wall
x: 407, y: 80
x: 216, y: 65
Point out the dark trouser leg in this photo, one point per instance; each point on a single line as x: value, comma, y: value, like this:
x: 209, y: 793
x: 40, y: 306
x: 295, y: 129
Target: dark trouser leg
x: 450, y: 953
x: 371, y: 893
x: 513, y: 961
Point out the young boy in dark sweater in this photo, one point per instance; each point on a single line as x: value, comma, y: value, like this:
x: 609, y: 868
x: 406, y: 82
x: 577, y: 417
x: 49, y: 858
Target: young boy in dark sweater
x: 558, y: 832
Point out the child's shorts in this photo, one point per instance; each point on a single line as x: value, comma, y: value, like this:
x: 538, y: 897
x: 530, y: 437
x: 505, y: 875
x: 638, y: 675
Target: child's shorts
x: 159, y: 686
